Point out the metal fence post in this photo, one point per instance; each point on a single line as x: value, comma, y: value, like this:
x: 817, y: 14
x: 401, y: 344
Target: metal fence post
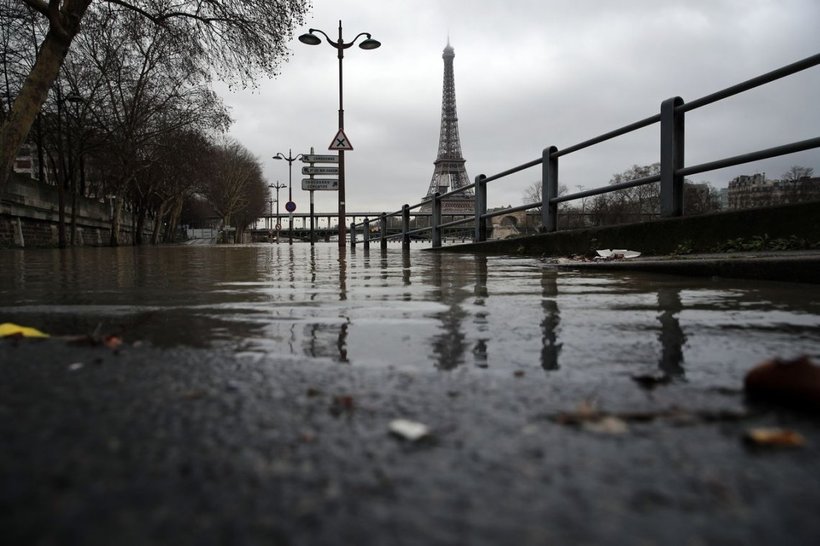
x: 549, y: 189
x: 480, y: 209
x: 435, y: 221
x: 405, y: 226
x: 352, y: 235
x: 366, y: 233
x: 383, y: 231
x: 672, y: 145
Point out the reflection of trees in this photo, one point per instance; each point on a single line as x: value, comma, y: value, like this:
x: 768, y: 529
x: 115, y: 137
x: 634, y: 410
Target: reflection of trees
x: 671, y: 336
x: 550, y: 348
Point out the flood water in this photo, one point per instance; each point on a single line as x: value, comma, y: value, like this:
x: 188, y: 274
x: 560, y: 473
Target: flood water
x: 411, y: 309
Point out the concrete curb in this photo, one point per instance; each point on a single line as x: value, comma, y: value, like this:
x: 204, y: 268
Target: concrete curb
x: 788, y: 267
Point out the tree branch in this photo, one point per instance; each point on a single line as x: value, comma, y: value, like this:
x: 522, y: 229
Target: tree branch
x: 162, y: 17
x: 38, y: 6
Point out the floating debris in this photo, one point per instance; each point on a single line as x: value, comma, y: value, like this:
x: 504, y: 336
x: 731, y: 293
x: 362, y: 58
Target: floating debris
x: 411, y: 431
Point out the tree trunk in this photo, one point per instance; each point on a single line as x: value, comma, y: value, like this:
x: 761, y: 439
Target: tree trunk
x: 139, y: 222
x: 15, y: 128
x: 116, y: 220
x: 173, y: 220
x: 158, y: 223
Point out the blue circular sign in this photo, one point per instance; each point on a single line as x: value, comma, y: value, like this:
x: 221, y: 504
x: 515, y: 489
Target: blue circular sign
x: 290, y: 206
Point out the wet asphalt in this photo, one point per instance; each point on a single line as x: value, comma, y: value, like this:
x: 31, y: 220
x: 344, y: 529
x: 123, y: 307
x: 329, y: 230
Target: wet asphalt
x: 141, y: 445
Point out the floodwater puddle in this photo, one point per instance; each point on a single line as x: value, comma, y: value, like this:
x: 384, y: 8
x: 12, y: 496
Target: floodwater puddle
x: 412, y: 309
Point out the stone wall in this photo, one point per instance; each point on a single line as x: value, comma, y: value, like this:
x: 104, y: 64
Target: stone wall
x: 29, y: 217
x: 703, y: 233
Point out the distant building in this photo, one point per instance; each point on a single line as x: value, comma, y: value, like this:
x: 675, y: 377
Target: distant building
x: 26, y: 161
x: 757, y: 191
x: 724, y: 198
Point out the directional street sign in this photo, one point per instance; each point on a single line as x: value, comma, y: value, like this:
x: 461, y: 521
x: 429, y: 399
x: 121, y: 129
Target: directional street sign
x: 290, y: 206
x: 320, y: 184
x: 320, y: 170
x: 317, y: 158
x: 340, y: 142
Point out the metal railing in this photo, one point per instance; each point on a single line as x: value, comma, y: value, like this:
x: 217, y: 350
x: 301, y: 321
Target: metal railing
x: 672, y: 168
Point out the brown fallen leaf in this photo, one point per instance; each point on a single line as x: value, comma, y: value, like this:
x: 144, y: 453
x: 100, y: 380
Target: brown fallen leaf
x: 342, y: 404
x: 112, y: 341
x: 193, y: 394
x: 774, y: 437
x: 793, y: 383
x: 607, y: 425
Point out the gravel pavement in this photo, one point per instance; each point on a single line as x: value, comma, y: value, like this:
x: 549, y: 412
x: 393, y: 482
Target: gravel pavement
x: 141, y: 445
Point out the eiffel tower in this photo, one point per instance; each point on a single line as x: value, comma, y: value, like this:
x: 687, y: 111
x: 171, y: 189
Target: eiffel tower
x: 449, y: 173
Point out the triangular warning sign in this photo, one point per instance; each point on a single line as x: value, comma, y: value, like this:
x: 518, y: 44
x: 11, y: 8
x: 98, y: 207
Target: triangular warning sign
x: 340, y: 142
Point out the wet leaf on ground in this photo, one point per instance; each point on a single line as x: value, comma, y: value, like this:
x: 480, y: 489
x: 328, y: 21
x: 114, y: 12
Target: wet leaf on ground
x: 9, y: 329
x: 794, y: 383
x: 342, y: 404
x: 607, y: 425
x: 774, y: 437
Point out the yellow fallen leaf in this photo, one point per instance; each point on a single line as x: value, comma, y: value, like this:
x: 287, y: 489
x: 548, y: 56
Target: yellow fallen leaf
x: 10, y: 329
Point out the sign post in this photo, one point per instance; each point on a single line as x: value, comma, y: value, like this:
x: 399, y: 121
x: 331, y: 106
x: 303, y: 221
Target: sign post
x: 340, y: 143
x: 312, y: 184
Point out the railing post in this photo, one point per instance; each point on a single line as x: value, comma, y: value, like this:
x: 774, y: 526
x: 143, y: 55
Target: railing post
x: 352, y: 235
x: 549, y: 189
x: 366, y: 233
x: 405, y: 226
x: 435, y: 221
x: 480, y: 209
x: 672, y: 145
x: 383, y: 231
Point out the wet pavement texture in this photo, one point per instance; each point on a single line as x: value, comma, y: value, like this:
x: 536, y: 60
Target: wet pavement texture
x: 236, y: 433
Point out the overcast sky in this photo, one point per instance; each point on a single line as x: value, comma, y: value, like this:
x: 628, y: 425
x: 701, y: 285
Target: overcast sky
x: 529, y: 74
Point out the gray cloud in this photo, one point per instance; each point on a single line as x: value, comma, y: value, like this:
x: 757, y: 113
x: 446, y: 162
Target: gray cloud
x: 531, y: 74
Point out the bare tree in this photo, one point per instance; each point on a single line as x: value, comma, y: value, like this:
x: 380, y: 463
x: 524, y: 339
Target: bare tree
x: 149, y: 90
x: 699, y: 198
x: 796, y: 172
x: 234, y: 171
x: 237, y: 39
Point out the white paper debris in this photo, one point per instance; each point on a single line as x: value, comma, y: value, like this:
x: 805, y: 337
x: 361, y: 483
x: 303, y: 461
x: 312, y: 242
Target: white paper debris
x: 409, y: 430
x: 617, y: 253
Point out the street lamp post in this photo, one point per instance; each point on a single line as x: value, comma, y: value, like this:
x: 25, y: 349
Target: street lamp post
x: 290, y: 159
x: 277, y: 187
x: 369, y: 43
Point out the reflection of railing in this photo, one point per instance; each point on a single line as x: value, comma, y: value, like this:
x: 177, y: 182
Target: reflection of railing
x: 672, y: 138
